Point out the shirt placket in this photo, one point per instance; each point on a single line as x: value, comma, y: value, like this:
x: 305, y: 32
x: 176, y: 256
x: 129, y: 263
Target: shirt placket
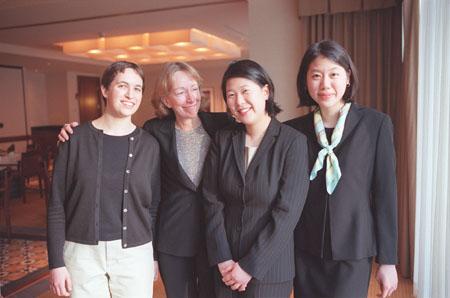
x: 126, y: 191
x: 98, y: 186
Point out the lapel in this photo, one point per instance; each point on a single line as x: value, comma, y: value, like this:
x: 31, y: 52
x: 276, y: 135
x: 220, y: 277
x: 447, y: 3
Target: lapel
x: 169, y: 131
x: 272, y: 133
x: 267, y: 142
x: 353, y: 117
x: 238, y: 141
x: 307, y: 128
x: 208, y: 124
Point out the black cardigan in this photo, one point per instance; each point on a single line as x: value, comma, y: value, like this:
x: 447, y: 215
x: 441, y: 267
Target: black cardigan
x: 73, y: 208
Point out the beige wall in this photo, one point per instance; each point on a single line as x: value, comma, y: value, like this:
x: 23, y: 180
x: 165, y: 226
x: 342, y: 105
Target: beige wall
x: 57, y: 103
x: 146, y: 110
x: 12, y: 111
x: 274, y: 34
x: 36, y: 106
x: 213, y: 79
x: 36, y: 97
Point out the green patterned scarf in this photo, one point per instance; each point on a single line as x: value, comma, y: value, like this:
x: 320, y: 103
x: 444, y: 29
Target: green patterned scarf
x: 333, y: 172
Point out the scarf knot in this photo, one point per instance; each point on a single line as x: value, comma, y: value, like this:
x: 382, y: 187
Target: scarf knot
x: 333, y: 172
x: 328, y: 149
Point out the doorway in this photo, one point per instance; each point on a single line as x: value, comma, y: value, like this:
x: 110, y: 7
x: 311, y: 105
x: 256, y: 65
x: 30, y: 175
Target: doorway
x: 89, y: 98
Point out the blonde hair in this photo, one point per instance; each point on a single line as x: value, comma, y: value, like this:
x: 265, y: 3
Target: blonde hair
x: 164, y: 85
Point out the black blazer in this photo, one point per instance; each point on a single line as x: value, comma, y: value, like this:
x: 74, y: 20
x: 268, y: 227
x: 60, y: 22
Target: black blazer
x: 180, y: 225
x: 363, y: 207
x: 251, y: 215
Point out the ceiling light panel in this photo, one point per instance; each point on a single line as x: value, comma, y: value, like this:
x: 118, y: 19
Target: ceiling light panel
x: 155, y: 47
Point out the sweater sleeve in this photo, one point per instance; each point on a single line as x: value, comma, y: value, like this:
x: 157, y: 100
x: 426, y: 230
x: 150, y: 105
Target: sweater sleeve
x: 156, y: 196
x: 56, y: 219
x: 156, y: 185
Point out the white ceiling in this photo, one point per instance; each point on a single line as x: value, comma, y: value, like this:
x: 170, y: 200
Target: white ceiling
x: 33, y: 27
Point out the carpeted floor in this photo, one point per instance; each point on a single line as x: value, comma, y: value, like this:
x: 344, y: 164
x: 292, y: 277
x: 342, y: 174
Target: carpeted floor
x: 21, y: 262
x: 24, y: 260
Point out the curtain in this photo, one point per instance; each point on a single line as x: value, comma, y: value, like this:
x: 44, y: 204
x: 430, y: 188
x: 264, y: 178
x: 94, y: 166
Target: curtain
x: 374, y: 41
x: 406, y: 139
x: 432, y: 237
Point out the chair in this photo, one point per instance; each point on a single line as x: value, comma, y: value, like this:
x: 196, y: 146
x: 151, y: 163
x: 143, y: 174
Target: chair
x: 4, y: 199
x: 45, y: 139
x: 32, y: 165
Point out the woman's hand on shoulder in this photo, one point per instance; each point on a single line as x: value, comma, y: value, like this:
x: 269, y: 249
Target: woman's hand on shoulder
x: 387, y: 279
x: 66, y: 130
x: 60, y: 281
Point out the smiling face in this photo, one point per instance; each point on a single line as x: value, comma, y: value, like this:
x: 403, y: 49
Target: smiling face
x: 327, y: 82
x: 124, y: 94
x: 184, y: 98
x: 247, y: 100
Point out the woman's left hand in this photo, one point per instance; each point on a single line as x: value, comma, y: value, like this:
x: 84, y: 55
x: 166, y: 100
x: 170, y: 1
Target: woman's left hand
x: 387, y: 279
x: 237, y: 278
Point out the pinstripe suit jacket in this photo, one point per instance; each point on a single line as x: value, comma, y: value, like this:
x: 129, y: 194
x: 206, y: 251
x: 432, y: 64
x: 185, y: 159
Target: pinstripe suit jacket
x: 180, y: 225
x: 251, y: 215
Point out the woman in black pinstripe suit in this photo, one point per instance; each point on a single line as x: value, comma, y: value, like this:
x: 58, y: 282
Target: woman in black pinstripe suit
x: 255, y: 185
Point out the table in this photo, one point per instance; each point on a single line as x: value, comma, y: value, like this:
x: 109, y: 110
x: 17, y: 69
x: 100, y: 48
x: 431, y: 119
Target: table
x: 11, y: 160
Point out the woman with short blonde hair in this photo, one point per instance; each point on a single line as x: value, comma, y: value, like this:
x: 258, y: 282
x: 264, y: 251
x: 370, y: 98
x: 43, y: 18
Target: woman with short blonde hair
x: 165, y: 82
x: 184, y: 133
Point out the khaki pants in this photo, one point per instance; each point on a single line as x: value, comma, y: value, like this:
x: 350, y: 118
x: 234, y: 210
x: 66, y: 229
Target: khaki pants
x: 108, y: 270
